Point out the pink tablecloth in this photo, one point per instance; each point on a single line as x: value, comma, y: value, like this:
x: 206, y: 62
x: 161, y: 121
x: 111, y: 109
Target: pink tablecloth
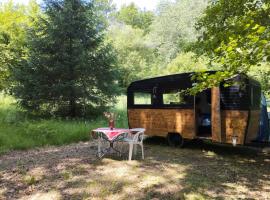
x: 112, y: 134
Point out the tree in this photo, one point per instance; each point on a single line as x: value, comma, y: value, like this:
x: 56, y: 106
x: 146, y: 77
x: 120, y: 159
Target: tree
x: 261, y: 73
x: 14, y: 20
x: 135, y: 57
x: 186, y: 62
x: 70, y: 70
x: 173, y: 29
x: 104, y: 10
x: 133, y: 16
x: 127, y: 31
x: 236, y: 35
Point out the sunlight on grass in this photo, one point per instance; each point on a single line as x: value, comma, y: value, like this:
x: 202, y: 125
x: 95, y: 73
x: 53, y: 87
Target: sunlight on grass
x: 51, y: 195
x: 166, y: 173
x: 209, y: 154
x: 29, y: 180
x: 194, y: 196
x: 20, y: 132
x: 66, y: 175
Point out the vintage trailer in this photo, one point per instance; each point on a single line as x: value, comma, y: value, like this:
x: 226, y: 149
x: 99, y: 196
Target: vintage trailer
x: 221, y: 114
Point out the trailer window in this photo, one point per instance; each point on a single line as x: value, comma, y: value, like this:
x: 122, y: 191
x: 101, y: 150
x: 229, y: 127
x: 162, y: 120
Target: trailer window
x: 173, y: 98
x: 141, y: 98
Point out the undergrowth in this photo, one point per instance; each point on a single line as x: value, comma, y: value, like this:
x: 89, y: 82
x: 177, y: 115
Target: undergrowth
x: 18, y: 131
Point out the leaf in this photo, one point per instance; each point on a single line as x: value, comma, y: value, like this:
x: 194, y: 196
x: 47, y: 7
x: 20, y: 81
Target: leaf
x: 247, y: 26
x: 230, y: 48
x: 261, y: 29
x: 255, y: 27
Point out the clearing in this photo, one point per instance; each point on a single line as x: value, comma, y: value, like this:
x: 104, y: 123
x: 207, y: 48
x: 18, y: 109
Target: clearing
x: 199, y: 171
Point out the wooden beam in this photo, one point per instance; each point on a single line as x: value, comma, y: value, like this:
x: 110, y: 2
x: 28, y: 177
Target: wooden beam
x: 215, y: 114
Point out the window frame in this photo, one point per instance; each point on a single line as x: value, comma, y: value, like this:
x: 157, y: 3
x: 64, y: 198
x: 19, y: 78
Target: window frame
x: 186, y: 104
x: 142, y: 92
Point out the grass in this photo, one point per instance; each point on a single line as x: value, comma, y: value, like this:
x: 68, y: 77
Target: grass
x: 198, y: 172
x: 17, y: 131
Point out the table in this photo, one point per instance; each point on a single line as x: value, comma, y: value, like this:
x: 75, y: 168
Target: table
x: 111, y: 136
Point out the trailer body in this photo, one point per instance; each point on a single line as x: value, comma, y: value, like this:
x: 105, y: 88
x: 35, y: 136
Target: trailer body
x: 221, y: 114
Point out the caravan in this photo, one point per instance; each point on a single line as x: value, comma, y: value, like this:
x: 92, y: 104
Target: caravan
x: 221, y: 114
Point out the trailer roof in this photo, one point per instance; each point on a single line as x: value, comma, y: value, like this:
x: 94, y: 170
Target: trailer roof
x: 183, y: 79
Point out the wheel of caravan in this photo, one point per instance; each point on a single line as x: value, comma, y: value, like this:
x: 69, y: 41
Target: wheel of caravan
x: 175, y: 139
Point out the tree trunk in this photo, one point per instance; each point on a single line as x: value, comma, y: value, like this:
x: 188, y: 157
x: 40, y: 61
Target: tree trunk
x: 72, y: 107
x: 72, y: 99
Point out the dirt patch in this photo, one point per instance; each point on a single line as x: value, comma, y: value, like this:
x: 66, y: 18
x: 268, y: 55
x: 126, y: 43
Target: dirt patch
x: 195, y: 172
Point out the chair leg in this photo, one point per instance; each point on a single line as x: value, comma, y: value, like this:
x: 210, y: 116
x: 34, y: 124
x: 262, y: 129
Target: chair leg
x: 130, y: 151
x: 142, y: 151
x: 135, y: 149
x: 121, y: 147
x: 99, y: 144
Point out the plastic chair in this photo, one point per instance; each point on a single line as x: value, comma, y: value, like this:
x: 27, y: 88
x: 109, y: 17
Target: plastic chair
x: 102, y: 140
x: 134, y: 140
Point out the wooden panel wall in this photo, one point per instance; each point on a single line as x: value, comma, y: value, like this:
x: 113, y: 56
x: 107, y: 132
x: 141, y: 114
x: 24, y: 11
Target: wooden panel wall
x: 234, y: 123
x: 160, y: 122
x: 215, y: 114
x: 253, y: 125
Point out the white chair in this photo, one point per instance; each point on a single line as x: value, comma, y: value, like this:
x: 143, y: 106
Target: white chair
x: 103, y: 142
x: 135, y: 140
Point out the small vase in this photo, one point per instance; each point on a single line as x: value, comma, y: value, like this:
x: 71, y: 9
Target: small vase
x: 111, y: 124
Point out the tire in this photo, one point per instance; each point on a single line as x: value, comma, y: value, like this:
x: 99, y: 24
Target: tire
x: 175, y: 140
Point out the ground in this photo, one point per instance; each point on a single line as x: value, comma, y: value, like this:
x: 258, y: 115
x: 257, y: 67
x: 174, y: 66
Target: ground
x: 198, y: 171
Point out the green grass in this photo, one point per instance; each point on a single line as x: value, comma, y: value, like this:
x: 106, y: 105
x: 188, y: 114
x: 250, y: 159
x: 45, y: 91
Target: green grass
x: 17, y: 131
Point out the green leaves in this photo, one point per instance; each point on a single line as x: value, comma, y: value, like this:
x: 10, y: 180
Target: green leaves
x: 186, y: 62
x: 70, y: 70
x: 133, y: 16
x: 135, y: 57
x: 14, y: 20
x: 235, y: 34
x: 172, y: 30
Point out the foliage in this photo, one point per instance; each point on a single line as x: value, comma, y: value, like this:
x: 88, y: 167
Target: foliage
x: 173, y: 30
x: 14, y: 20
x: 135, y: 57
x: 133, y: 16
x: 186, y: 62
x: 104, y: 10
x: 261, y: 73
x: 236, y: 35
x: 143, y: 53
x: 70, y: 70
x: 67, y: 58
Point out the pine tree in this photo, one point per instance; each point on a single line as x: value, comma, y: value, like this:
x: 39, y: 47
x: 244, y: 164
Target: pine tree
x: 71, y: 67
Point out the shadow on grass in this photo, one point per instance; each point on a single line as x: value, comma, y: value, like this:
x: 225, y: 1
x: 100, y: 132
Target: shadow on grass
x: 195, y: 172
x: 221, y: 149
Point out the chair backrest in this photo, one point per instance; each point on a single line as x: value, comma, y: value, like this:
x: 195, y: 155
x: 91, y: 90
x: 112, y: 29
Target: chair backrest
x: 138, y: 137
